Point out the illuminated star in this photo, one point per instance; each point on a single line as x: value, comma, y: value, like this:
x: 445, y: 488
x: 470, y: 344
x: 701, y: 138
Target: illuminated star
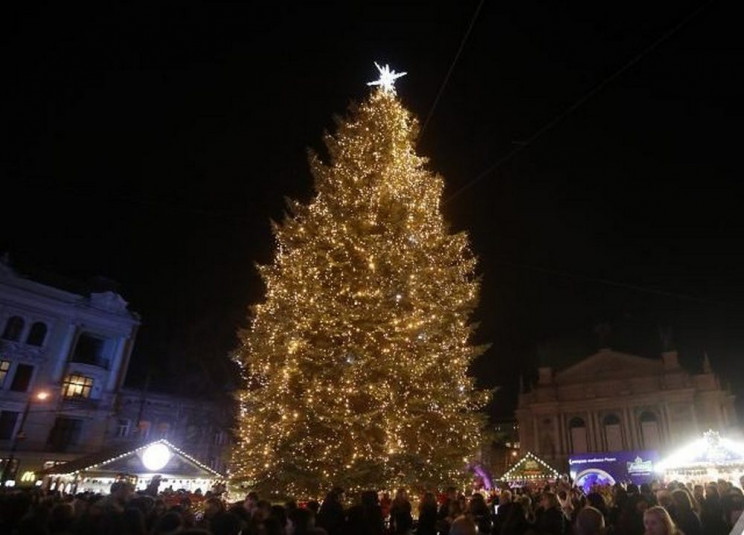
x: 387, y: 78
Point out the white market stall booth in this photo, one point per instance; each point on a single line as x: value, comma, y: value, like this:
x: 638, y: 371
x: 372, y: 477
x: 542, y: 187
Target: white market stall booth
x: 140, y: 465
x: 709, y: 458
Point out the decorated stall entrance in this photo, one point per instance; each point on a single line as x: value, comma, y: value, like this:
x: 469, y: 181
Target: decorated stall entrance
x: 156, y: 462
x: 530, y: 469
x: 708, y: 458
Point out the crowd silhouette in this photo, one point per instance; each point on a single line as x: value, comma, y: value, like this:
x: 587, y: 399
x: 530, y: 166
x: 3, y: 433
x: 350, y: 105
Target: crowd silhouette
x: 551, y: 509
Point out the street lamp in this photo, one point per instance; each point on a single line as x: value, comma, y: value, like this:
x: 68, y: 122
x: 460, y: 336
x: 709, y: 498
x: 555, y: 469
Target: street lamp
x: 42, y: 395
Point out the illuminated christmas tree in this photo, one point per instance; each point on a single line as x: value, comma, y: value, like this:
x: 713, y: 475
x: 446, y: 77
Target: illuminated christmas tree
x: 356, y: 362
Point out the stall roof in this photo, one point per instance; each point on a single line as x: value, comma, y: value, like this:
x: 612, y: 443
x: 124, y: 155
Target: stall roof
x: 125, y: 459
x: 709, y: 451
x: 530, y: 467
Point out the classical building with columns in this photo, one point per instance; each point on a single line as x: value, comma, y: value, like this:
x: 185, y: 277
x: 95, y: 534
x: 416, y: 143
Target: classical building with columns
x: 613, y: 401
x: 63, y: 358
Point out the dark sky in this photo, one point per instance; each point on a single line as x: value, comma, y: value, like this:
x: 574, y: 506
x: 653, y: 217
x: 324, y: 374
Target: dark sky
x: 152, y: 144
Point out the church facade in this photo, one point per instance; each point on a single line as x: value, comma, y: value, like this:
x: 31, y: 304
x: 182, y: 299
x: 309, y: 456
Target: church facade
x: 613, y: 401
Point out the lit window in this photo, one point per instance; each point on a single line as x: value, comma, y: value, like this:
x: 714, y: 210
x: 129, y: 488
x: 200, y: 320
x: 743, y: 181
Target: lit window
x: 77, y: 386
x: 4, y: 367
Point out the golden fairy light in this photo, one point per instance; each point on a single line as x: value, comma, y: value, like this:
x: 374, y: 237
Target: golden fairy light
x: 356, y: 361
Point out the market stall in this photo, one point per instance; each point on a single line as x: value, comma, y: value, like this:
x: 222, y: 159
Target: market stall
x: 530, y: 470
x: 709, y: 458
x: 156, y: 462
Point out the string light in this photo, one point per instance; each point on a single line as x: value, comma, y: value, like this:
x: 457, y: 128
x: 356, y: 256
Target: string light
x: 363, y: 336
x: 516, y: 472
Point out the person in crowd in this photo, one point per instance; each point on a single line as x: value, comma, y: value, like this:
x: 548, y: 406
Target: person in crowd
x: 445, y: 508
x: 711, y: 512
x: 365, y: 518
x: 478, y: 510
x: 463, y: 525
x: 427, y: 518
x: 656, y: 521
x: 331, y: 514
x: 589, y: 521
x: 550, y: 519
x: 401, y: 520
x: 683, y: 514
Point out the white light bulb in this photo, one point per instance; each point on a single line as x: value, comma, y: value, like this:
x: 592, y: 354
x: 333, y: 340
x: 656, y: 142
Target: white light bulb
x: 156, y: 457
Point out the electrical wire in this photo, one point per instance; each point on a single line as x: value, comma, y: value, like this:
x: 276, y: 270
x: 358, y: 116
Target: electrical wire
x: 576, y: 105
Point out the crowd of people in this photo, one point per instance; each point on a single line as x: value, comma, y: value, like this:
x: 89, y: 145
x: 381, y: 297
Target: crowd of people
x: 552, y: 509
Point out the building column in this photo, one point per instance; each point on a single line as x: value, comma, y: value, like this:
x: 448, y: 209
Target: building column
x: 64, y: 353
x: 115, y: 363
x: 630, y: 430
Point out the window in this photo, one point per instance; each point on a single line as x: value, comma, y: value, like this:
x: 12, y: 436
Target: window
x: 77, y: 386
x: 90, y: 350
x: 8, y: 421
x: 13, y: 329
x: 144, y: 429
x: 37, y: 334
x: 650, y: 430
x: 4, y: 367
x: 122, y: 427
x: 577, y: 428
x: 613, y: 432
x: 163, y: 429
x: 22, y: 378
x: 65, y: 433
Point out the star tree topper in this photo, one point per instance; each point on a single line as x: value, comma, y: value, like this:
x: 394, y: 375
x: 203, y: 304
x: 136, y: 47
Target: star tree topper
x: 387, y: 78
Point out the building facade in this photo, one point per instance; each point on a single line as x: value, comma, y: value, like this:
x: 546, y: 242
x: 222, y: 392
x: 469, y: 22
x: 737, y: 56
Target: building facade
x: 63, y: 358
x: 202, y: 428
x: 613, y: 401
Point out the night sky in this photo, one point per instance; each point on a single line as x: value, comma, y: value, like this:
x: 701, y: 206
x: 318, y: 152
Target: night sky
x: 153, y: 145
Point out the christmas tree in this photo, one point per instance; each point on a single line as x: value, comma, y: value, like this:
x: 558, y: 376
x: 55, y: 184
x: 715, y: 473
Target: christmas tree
x: 356, y: 362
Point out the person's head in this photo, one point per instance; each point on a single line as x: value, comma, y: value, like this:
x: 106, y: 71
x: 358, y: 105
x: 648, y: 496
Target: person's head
x: 656, y: 521
x: 369, y: 498
x: 589, y: 521
x: 462, y: 525
x: 597, y: 501
x: 226, y: 524
x: 212, y: 506
x: 251, y: 501
x: 122, y: 491
x: 169, y: 523
x: 682, y: 501
x: 401, y: 495
x: 549, y: 500
x: 263, y: 510
x: 300, y: 521
x: 664, y: 498
x: 428, y: 500
x: 506, y: 497
x: 451, y: 493
x: 699, y: 492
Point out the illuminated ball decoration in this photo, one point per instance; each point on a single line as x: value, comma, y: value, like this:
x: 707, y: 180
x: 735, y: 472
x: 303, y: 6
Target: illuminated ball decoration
x: 155, y: 457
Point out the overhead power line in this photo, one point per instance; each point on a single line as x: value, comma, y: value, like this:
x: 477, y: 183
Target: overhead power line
x: 616, y: 284
x: 452, y: 66
x: 568, y: 111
